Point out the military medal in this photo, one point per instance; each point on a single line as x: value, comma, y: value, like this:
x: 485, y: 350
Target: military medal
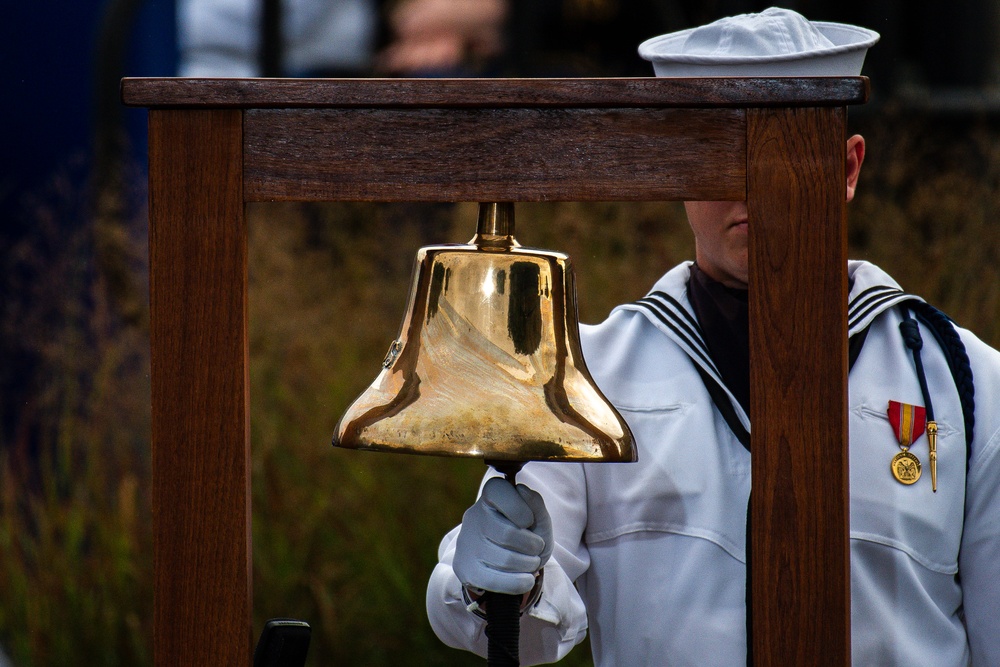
x: 908, y: 423
x: 905, y: 467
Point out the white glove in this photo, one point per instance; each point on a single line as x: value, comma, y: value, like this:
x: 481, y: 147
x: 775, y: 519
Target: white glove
x: 506, y: 538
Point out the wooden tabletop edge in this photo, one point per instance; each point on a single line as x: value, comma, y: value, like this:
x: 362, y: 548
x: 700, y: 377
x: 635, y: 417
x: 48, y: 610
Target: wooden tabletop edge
x: 494, y: 92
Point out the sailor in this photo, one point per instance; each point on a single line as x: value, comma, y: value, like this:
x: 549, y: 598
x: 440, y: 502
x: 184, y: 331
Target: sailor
x: 650, y: 558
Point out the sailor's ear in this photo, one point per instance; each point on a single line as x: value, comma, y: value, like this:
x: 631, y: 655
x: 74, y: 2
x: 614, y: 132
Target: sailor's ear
x: 855, y: 157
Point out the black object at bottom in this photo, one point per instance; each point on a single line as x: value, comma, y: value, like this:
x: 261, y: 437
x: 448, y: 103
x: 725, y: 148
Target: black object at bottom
x: 284, y: 642
x: 503, y: 629
x: 503, y: 611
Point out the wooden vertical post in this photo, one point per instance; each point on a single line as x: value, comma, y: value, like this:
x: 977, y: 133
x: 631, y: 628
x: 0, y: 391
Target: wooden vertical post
x: 200, y: 431
x: 798, y: 371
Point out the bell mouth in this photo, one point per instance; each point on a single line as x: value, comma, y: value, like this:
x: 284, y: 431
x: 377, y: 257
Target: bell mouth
x: 488, y: 361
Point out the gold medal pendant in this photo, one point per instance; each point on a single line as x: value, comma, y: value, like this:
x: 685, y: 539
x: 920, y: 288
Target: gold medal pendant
x: 908, y: 425
x: 905, y: 467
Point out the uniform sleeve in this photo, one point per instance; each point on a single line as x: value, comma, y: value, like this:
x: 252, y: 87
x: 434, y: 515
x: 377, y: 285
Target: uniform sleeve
x: 979, y: 560
x: 218, y: 37
x: 558, y: 622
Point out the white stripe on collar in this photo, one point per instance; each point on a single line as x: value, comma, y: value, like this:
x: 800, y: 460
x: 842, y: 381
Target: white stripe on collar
x: 667, y: 308
x: 873, y: 291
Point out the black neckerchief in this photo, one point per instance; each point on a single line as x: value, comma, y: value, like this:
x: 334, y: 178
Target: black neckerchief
x: 722, y: 313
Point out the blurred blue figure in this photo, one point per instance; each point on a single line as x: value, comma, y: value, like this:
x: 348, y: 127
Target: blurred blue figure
x: 338, y: 38
x: 68, y: 188
x: 250, y: 38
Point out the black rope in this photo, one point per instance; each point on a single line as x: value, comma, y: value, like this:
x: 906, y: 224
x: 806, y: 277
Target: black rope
x: 911, y: 336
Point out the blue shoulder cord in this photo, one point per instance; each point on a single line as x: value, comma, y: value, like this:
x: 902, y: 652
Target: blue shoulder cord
x: 958, y: 361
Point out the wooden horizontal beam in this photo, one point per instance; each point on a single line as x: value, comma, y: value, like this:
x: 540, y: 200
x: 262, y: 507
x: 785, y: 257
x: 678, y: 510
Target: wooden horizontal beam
x: 537, y: 93
x: 494, y: 154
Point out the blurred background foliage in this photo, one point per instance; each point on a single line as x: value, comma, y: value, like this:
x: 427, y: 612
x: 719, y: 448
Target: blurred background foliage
x: 346, y: 540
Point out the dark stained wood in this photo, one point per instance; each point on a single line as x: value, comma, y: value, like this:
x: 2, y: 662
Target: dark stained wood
x: 778, y: 142
x: 200, y: 432
x: 536, y: 93
x: 494, y: 154
x: 798, y: 369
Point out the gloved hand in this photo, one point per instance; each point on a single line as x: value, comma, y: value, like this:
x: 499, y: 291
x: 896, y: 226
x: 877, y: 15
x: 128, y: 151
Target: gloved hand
x: 506, y: 537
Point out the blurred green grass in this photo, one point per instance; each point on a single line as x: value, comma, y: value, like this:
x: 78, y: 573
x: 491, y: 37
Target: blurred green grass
x: 346, y: 540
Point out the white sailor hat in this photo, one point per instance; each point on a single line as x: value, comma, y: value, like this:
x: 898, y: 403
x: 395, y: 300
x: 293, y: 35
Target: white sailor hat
x: 775, y: 42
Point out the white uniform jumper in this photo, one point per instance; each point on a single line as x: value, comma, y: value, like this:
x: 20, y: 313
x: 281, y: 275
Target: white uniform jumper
x: 651, y: 556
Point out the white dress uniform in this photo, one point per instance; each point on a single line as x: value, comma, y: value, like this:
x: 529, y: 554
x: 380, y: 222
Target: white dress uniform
x: 650, y: 556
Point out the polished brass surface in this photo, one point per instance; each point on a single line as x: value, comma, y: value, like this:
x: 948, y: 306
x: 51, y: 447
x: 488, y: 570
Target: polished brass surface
x: 932, y: 432
x: 488, y: 362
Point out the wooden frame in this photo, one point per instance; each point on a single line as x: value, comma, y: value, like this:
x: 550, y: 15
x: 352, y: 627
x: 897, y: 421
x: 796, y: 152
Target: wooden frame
x: 216, y: 144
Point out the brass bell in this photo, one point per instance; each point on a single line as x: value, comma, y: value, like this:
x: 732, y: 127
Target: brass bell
x: 487, y: 362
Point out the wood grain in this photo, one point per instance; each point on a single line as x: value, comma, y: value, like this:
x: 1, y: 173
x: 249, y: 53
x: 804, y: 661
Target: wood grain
x: 798, y: 371
x: 200, y: 432
x: 494, y: 154
x: 496, y: 93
